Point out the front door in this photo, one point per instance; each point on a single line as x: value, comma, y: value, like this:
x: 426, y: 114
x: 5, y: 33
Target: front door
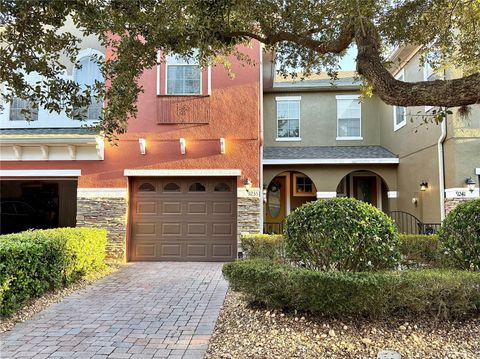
x: 276, y: 205
x: 365, y: 189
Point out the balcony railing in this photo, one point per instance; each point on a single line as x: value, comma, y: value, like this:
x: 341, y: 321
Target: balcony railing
x: 183, y: 110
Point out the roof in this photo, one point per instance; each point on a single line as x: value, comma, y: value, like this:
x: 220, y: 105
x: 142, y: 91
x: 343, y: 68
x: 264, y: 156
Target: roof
x: 48, y: 131
x: 328, y: 155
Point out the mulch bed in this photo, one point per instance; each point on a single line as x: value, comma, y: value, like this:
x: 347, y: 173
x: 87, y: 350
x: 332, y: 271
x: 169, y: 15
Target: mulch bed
x: 243, y: 331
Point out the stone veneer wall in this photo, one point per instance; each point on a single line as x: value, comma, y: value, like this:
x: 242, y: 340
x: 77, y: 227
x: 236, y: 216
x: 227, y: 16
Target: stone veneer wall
x: 248, y: 215
x: 451, y: 203
x: 109, y: 213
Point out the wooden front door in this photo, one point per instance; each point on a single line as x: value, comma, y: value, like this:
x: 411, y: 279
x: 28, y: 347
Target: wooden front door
x: 276, y: 205
x: 365, y: 189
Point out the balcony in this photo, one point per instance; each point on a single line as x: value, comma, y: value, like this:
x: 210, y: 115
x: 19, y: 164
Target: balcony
x: 183, y: 110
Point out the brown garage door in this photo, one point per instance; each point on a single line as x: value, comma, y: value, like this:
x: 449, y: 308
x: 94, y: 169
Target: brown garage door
x: 184, y: 219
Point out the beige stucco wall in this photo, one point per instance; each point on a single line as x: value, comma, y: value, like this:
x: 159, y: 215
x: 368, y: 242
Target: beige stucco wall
x: 318, y: 120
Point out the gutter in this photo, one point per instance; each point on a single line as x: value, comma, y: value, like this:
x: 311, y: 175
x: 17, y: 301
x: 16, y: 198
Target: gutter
x: 260, y: 180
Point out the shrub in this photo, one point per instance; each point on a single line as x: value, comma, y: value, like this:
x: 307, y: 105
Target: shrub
x: 270, y: 246
x: 32, y: 262
x: 342, y: 234
x: 421, y: 249
x: 460, y: 235
x: 447, y: 292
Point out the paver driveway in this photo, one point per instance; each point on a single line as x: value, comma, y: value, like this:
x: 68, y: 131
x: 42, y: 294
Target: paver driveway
x: 145, y: 310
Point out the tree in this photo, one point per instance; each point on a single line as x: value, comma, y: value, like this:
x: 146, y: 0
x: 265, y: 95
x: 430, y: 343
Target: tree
x: 307, y: 34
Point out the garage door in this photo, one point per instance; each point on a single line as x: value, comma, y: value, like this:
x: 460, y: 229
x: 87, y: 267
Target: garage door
x: 182, y: 219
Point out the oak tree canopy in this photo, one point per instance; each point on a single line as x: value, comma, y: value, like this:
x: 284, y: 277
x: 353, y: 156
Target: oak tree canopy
x: 308, y: 34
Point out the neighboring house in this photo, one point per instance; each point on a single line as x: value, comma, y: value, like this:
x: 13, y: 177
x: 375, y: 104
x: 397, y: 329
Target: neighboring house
x: 321, y: 142
x: 181, y: 184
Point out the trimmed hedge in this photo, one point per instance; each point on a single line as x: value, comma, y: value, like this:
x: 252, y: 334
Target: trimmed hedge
x: 421, y: 249
x: 269, y: 246
x: 342, y: 234
x: 460, y: 236
x: 432, y: 292
x: 32, y: 262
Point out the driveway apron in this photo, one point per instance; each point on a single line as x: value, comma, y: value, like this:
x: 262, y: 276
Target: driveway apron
x: 145, y: 310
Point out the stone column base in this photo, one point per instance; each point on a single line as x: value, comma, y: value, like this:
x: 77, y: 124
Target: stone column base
x: 105, y: 208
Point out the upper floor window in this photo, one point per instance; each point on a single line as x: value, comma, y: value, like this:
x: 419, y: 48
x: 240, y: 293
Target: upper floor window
x: 399, y: 113
x: 86, y: 76
x: 288, y: 118
x: 184, y: 76
x: 23, y: 110
x: 429, y: 74
x: 349, y: 118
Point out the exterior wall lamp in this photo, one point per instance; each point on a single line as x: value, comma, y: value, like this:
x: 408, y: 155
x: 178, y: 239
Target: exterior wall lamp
x: 247, y: 184
x: 183, y: 146
x: 222, y: 146
x: 143, y: 145
x: 470, y: 184
x: 423, y: 186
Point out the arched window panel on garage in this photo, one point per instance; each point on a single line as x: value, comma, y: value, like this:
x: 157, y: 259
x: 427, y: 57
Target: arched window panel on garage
x: 146, y: 187
x: 196, y: 187
x: 222, y: 187
x: 171, y: 187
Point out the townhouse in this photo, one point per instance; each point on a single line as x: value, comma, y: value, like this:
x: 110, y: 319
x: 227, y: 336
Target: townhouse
x: 321, y: 141
x: 181, y: 184
x: 209, y: 157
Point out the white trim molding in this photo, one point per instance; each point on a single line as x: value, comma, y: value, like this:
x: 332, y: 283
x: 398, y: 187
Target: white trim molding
x: 477, y: 171
x: 40, y: 173
x: 330, y: 161
x: 326, y: 194
x: 112, y: 192
x: 349, y: 138
x: 392, y: 194
x: 461, y: 192
x: 288, y: 139
x: 182, y: 173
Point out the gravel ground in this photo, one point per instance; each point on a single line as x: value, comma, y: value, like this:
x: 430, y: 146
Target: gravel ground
x: 36, y: 305
x: 246, y: 332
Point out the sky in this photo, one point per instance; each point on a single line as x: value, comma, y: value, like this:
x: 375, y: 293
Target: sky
x: 347, y: 63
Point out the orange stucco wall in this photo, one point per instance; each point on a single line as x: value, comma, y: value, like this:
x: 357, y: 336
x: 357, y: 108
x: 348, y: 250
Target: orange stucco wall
x: 235, y: 116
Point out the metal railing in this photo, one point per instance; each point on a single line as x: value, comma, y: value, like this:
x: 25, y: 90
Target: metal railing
x: 183, y: 109
x: 273, y: 227
x: 407, y: 223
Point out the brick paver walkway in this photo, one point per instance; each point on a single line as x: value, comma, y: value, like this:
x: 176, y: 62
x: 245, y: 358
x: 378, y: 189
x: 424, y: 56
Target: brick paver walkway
x: 145, y: 310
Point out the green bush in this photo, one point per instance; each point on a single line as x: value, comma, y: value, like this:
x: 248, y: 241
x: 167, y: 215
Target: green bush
x: 270, y: 246
x: 421, y: 249
x: 341, y: 234
x: 460, y: 236
x: 32, y: 262
x: 430, y: 292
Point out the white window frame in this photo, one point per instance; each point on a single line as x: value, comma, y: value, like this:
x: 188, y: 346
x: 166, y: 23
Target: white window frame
x: 166, y: 79
x: 349, y: 138
x: 289, y: 99
x: 397, y: 126
x: 88, y: 52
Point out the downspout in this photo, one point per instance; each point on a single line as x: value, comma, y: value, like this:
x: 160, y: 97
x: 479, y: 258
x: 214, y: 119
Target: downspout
x: 441, y: 168
x: 260, y: 185
x: 441, y: 163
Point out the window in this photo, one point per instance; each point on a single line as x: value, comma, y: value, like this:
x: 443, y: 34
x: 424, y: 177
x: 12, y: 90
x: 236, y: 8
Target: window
x: 349, y: 118
x: 222, y: 187
x: 288, y: 118
x: 171, y: 187
x: 146, y: 187
x: 183, y: 76
x: 86, y: 76
x: 399, y: 113
x: 196, y: 187
x: 23, y: 110
x: 303, y: 186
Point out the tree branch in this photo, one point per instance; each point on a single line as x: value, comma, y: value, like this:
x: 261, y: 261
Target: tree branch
x: 445, y: 93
